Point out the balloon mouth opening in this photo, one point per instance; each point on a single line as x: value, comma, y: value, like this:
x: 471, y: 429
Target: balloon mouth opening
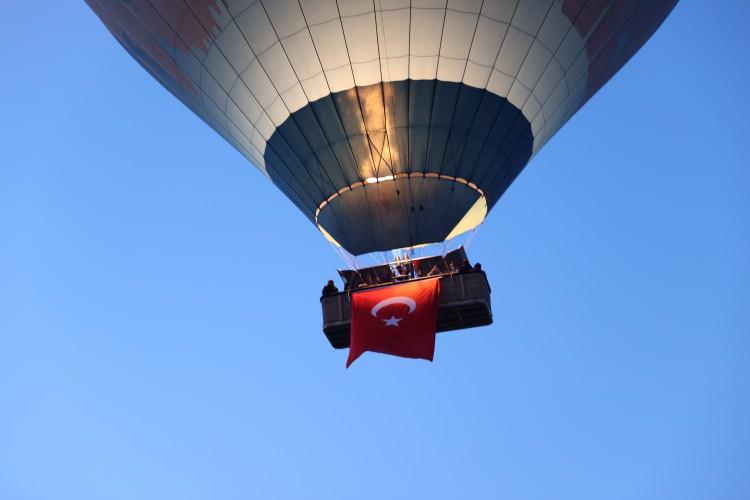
x: 473, y: 209
x: 375, y: 180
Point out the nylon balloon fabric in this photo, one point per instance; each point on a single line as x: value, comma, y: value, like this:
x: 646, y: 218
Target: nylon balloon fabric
x: 388, y: 124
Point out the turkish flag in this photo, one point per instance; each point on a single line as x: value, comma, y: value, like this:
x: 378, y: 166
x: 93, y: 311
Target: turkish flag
x: 396, y: 319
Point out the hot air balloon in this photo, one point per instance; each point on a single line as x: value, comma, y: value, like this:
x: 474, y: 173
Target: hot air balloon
x: 391, y: 124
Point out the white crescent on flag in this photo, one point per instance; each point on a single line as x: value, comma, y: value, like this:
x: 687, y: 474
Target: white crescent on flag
x: 394, y: 300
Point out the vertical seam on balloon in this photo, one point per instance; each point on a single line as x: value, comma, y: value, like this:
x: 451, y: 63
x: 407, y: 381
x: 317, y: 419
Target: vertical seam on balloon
x: 408, y: 103
x: 460, y: 90
x: 335, y: 104
x: 361, y: 111
x: 479, y: 105
x: 403, y: 202
x: 434, y: 91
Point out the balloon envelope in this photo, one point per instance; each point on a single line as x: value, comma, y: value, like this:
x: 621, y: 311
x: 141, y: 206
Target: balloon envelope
x: 389, y: 123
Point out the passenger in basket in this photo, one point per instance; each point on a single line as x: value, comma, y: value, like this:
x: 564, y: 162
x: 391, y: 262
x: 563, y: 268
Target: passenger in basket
x: 330, y: 289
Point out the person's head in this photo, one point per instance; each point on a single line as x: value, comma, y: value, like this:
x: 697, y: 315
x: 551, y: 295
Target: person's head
x: 330, y: 282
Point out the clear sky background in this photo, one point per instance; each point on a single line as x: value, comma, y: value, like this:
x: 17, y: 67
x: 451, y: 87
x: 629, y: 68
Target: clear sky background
x: 160, y: 327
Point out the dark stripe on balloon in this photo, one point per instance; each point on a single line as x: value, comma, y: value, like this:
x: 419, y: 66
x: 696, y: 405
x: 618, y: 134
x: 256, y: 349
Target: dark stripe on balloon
x: 394, y: 128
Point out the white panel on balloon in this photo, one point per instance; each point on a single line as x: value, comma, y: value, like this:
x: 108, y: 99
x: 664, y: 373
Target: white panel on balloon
x: 454, y: 50
x: 362, y: 42
x: 530, y: 14
x: 393, y: 40
x: 277, y: 66
x: 535, y: 62
x: 216, y: 64
x: 257, y: 81
x: 257, y: 28
x: 234, y: 47
x: 499, y: 10
x: 515, y: 47
x: 426, y: 28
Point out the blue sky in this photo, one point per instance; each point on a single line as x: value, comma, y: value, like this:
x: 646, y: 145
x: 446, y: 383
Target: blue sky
x: 160, y: 329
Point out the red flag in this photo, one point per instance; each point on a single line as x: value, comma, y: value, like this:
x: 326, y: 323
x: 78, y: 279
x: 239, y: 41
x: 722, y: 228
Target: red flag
x: 397, y: 319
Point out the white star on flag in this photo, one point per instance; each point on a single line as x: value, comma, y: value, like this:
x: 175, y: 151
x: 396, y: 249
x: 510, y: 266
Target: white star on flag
x: 392, y: 321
